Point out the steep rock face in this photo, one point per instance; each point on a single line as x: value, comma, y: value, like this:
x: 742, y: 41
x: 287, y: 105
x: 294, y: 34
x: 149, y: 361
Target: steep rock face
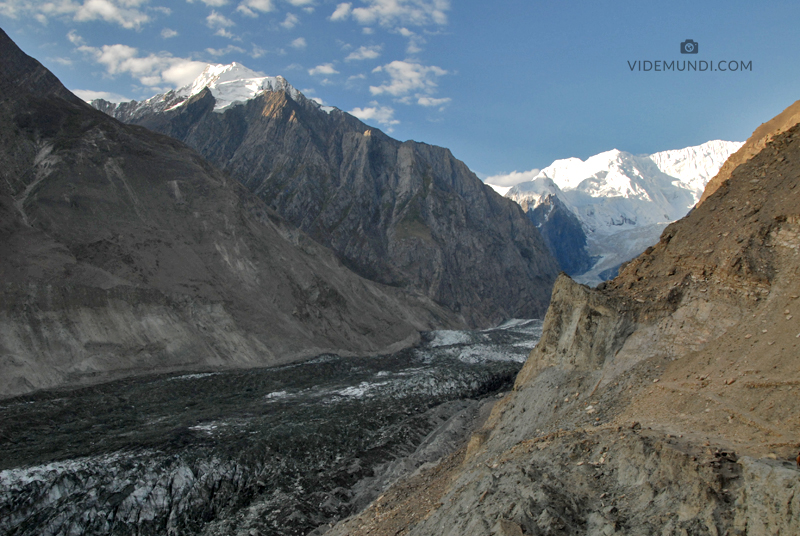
x: 659, y: 402
x: 563, y: 234
x: 404, y: 214
x: 124, y: 252
x: 762, y: 135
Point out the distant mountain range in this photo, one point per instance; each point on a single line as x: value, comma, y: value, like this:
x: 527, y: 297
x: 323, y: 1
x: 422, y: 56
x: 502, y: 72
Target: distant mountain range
x: 406, y: 214
x: 599, y: 213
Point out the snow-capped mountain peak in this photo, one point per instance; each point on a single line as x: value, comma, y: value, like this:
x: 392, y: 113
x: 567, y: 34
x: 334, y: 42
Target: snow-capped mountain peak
x: 233, y: 84
x: 623, y: 201
x: 230, y: 85
x: 695, y: 166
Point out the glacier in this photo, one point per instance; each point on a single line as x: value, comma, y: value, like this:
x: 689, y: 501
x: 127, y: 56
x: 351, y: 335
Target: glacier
x: 624, y: 201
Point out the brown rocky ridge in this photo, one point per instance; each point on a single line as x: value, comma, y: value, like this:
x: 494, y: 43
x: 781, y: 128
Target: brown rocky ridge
x: 124, y: 252
x: 662, y: 402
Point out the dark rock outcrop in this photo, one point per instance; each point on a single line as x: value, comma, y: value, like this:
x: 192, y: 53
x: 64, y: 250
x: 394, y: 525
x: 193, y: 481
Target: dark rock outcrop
x: 122, y: 251
x: 563, y: 234
x: 405, y: 214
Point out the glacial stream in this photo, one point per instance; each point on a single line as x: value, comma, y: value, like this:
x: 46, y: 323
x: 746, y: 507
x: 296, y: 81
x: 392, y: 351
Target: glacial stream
x: 274, y: 451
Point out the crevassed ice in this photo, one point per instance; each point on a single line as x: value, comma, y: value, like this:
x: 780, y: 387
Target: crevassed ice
x: 446, y: 337
x: 360, y: 390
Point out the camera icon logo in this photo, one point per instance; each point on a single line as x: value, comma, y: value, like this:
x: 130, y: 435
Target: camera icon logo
x: 689, y: 47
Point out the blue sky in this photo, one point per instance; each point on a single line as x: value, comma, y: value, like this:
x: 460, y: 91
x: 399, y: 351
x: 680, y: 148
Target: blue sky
x: 507, y: 86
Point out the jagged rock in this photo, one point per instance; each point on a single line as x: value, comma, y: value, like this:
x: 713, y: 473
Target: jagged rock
x: 405, y: 214
x: 762, y: 135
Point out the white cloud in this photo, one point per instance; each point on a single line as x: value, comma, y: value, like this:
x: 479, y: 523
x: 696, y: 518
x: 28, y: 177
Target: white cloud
x: 301, y: 3
x: 513, y: 178
x: 211, y: 3
x: 89, y: 95
x: 325, y: 68
x: 166, y: 33
x: 430, y: 101
x: 218, y: 20
x: 257, y: 52
x: 75, y: 39
x: 366, y: 30
x: 298, y: 43
x: 153, y: 70
x: 342, y: 11
x: 364, y: 53
x: 290, y: 21
x: 182, y: 71
x: 389, y: 13
x: 249, y: 7
x: 383, y: 115
x: 126, y: 13
x: 61, y: 61
x: 225, y: 51
x: 413, y: 47
x: 406, y: 77
x: 415, y: 41
x: 221, y: 23
x: 127, y: 16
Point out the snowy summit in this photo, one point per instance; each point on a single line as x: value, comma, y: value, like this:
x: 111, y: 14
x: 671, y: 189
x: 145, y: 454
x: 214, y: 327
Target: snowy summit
x: 624, y: 201
x: 616, y: 189
x: 230, y: 85
x: 233, y: 84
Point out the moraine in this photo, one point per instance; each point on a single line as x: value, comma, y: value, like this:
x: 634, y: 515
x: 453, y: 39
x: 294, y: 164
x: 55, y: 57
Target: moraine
x: 269, y: 451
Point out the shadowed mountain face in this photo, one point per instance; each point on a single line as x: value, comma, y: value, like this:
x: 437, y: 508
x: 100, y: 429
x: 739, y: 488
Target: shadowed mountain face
x: 123, y: 251
x: 405, y: 214
x: 563, y: 234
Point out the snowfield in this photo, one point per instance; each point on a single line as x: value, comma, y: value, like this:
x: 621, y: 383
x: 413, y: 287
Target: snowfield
x: 624, y: 201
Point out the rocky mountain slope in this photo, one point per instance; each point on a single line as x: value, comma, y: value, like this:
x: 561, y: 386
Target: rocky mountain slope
x: 562, y: 232
x: 662, y: 402
x: 622, y: 201
x: 124, y: 252
x: 406, y: 214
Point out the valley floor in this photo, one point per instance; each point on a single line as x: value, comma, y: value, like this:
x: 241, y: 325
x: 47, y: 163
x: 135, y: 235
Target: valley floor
x: 273, y: 451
